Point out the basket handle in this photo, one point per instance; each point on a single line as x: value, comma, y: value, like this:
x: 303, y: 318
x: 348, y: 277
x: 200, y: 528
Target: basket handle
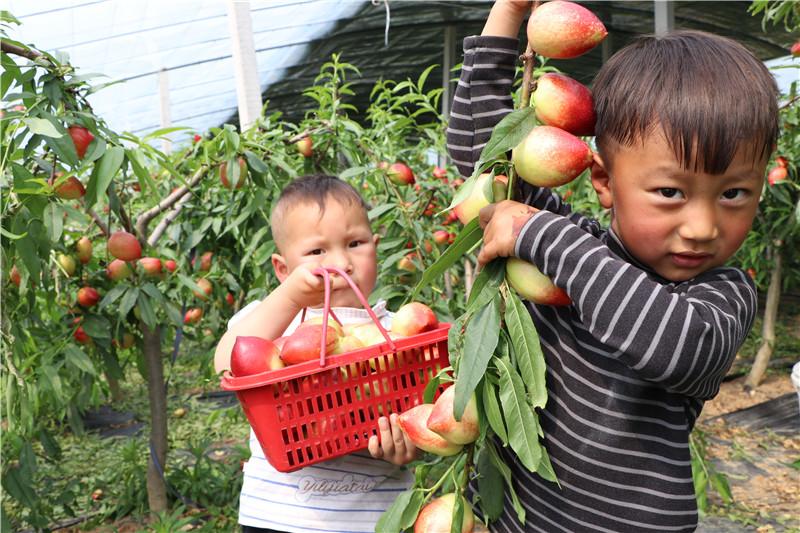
x: 325, y: 272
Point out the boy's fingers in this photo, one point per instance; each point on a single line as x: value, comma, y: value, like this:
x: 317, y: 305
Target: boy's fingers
x: 374, y: 447
x: 485, y: 215
x: 387, y: 443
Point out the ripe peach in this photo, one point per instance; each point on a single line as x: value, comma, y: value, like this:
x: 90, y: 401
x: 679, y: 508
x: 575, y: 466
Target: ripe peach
x: 229, y: 299
x: 122, y: 245
x: 170, y: 265
x: 304, y: 344
x: 253, y: 355
x: 482, y: 195
x: 81, y: 138
x: 407, y: 263
x: 400, y: 174
x: 437, y: 516
x: 193, y: 315
x: 564, y: 103
x: 532, y: 285
x: 317, y: 320
x: 550, y: 156
x: 14, y: 275
x: 150, y: 265
x: 562, y: 30
x: 444, y: 423
x: 71, y: 189
x: 414, y: 421
x: 441, y: 236
x: 305, y: 146
x: 88, y: 296
x: 80, y: 336
x: 67, y: 263
x: 117, y: 270
x: 205, y: 261
x: 205, y: 287
x: 84, y: 248
x: 414, y: 318
x: 777, y: 174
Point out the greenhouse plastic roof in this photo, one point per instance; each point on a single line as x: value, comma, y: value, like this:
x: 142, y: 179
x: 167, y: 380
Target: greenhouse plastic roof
x: 132, y: 41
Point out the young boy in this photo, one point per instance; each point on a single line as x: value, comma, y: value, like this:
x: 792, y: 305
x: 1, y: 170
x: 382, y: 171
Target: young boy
x: 318, y: 221
x: 685, y: 126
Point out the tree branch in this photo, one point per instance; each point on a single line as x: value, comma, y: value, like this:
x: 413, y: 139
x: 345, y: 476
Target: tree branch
x: 167, y: 220
x: 98, y: 221
x: 166, y: 203
x: 33, y: 55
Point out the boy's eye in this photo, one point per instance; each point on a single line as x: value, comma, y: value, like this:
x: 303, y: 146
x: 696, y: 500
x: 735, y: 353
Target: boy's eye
x: 353, y: 244
x: 315, y: 251
x: 734, y: 194
x: 669, y: 192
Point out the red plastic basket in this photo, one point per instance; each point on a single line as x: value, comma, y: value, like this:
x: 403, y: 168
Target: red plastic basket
x: 315, y: 411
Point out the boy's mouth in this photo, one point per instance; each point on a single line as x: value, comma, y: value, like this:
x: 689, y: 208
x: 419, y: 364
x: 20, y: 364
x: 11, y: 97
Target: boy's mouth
x: 689, y: 259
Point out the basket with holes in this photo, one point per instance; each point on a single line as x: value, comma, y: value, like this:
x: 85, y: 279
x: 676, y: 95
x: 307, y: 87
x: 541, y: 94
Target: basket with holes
x: 318, y: 410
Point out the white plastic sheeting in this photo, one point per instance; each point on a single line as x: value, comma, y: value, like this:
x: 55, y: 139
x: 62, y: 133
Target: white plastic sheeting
x: 132, y: 40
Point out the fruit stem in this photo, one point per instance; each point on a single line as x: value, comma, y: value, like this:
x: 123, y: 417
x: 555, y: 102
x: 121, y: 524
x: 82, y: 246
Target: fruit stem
x: 528, y: 64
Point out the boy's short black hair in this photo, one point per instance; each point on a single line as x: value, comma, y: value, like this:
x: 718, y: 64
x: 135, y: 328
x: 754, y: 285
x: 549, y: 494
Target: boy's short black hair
x: 709, y: 94
x: 312, y: 188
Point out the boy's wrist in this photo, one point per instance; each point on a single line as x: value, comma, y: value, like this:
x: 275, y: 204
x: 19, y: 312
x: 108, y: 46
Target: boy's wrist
x: 283, y: 293
x: 505, y: 18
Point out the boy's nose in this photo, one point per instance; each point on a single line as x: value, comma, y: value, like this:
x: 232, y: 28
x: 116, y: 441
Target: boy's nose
x: 700, y: 224
x: 339, y: 260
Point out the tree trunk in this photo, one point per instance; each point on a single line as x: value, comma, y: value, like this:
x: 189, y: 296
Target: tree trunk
x: 156, y: 487
x: 768, y: 331
x: 114, y: 388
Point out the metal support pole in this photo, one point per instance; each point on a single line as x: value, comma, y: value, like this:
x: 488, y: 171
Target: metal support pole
x: 448, y: 61
x: 664, y: 16
x: 163, y: 98
x: 248, y: 86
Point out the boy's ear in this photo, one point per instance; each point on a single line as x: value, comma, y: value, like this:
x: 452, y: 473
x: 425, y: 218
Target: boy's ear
x: 601, y: 182
x: 280, y: 267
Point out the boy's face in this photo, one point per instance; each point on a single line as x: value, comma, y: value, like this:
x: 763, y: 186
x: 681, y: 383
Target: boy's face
x: 678, y: 222
x: 340, y: 237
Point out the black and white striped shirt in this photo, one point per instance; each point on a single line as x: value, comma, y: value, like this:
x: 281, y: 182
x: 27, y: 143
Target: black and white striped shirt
x: 629, y: 363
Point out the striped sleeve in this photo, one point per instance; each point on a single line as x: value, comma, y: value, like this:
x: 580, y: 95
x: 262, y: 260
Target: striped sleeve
x: 545, y: 199
x: 482, y: 97
x: 682, y: 336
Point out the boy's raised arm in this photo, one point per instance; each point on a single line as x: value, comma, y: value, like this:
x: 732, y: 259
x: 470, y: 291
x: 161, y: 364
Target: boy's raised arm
x: 683, y: 336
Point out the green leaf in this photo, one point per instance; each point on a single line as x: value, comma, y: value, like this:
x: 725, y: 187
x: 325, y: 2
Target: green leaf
x: 26, y: 249
x: 505, y: 471
x: 480, y: 341
x: 54, y: 221
x: 491, y: 407
x: 51, y: 374
x: 545, y: 469
x: 104, y: 171
x: 19, y: 487
x: 42, y: 127
x: 509, y: 132
x: 112, y: 295
x: 49, y: 444
x: 467, y: 238
x: 163, y: 131
x: 97, y: 327
x: 128, y: 301
x: 490, y: 486
x: 720, y: 483
x: 78, y: 358
x: 522, y: 426
x: 146, y: 310
x: 391, y: 519
x: 528, y: 351
x: 486, y: 285
x: 412, y: 510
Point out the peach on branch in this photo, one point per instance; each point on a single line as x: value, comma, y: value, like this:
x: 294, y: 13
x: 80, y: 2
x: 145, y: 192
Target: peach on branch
x: 564, y: 103
x: 229, y: 299
x: 305, y: 146
x: 223, y: 175
x: 563, y: 30
x: 118, y: 269
x: 407, y: 263
x: 437, y: 516
x: 150, y: 265
x: 400, y: 174
x: 443, y: 422
x: 253, y: 355
x: 170, y: 265
x: 531, y: 284
x: 305, y: 343
x: 71, y: 189
x: 205, y: 261
x: 482, y: 195
x: 88, y: 296
x: 84, y: 248
x: 413, y: 318
x: 122, y: 245
x: 81, y: 138
x: 193, y: 315
x: 14, y: 275
x: 67, y: 263
x: 414, y: 423
x: 80, y: 336
x: 205, y: 288
x: 441, y: 236
x: 777, y: 174
x: 549, y: 157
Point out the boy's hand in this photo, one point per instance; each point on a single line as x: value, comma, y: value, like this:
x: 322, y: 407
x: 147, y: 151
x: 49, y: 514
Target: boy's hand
x: 502, y: 223
x: 506, y: 17
x: 305, y: 289
x: 394, y: 446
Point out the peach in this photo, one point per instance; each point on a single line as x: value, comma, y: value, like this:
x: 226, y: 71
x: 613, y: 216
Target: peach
x: 84, y: 248
x: 305, y: 146
x: 71, y: 189
x: 239, y: 180
x: 562, y: 30
x: 414, y: 421
x: 348, y: 343
x: 482, y: 195
x: 444, y: 423
x: 88, y: 297
x: 564, y: 103
x: 193, y: 315
x: 549, y: 157
x: 304, y: 344
x: 122, y: 245
x: 532, y: 285
x: 253, y: 355
x: 118, y: 269
x: 318, y: 320
x: 67, y: 263
x: 150, y: 265
x: 400, y: 174
x: 437, y: 516
x: 414, y: 318
x: 777, y: 174
x: 205, y: 289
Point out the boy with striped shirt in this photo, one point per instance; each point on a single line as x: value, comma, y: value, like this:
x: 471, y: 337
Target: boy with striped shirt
x: 685, y: 126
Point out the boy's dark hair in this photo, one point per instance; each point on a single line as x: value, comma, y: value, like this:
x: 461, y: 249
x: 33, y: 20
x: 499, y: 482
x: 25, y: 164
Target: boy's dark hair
x: 312, y: 188
x: 710, y: 95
